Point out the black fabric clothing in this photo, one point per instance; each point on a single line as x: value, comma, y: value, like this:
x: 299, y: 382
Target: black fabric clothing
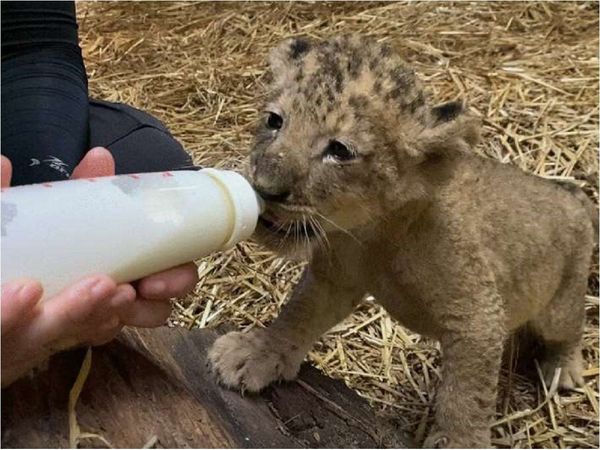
x: 48, y: 121
x: 28, y: 26
x: 44, y: 91
x: 138, y: 141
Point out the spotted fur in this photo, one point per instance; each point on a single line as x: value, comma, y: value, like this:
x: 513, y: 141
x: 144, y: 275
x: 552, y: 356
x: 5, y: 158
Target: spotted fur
x: 382, y: 191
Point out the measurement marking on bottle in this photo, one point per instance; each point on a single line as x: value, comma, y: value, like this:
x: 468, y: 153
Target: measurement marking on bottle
x: 93, y: 180
x: 167, y: 174
x: 48, y: 185
x: 135, y: 177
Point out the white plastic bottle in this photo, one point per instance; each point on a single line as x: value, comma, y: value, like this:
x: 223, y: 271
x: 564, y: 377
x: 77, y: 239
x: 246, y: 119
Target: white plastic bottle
x: 126, y: 226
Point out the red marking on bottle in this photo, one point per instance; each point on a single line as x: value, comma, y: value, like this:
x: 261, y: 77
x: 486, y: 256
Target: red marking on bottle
x: 135, y: 177
x: 93, y: 180
x: 48, y: 185
x: 167, y: 174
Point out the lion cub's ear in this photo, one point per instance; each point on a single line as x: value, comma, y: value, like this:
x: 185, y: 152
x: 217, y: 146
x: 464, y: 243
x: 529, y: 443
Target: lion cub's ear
x: 446, y: 112
x: 450, y: 129
x: 285, y: 59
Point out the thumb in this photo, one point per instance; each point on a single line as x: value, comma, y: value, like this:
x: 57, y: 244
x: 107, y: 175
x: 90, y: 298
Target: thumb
x: 98, y: 162
x: 6, y: 174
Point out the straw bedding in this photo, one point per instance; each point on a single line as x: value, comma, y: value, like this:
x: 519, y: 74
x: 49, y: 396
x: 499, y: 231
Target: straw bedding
x: 530, y: 70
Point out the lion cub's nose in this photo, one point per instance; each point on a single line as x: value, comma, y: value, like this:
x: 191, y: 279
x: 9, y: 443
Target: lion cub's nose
x: 272, y: 195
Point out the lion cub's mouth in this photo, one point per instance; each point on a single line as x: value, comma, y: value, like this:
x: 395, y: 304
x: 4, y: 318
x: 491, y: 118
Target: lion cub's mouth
x: 292, y: 228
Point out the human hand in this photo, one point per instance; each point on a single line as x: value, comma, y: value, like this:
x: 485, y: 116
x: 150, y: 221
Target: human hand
x: 160, y: 286
x: 91, y: 311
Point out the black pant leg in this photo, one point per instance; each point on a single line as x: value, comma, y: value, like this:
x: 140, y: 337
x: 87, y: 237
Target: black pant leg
x: 44, y: 91
x: 137, y: 141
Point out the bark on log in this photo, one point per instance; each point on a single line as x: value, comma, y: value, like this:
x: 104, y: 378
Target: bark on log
x: 155, y: 383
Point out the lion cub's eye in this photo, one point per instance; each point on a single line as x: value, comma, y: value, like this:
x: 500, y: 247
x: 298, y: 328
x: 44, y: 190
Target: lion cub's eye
x: 274, y: 121
x: 338, y: 152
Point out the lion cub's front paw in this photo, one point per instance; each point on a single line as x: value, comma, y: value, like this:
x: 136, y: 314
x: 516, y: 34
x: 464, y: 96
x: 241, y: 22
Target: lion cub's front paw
x: 251, y: 361
x: 436, y: 440
x: 457, y: 439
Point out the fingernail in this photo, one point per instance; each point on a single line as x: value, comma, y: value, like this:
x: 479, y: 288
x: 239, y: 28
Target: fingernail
x: 101, y: 288
x: 22, y: 291
x: 98, y: 150
x: 27, y: 291
x: 156, y: 286
x: 122, y: 296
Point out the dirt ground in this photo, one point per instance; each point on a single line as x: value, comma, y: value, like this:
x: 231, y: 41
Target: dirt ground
x: 529, y: 69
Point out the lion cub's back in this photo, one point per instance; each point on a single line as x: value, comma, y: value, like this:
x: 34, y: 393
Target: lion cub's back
x: 530, y: 228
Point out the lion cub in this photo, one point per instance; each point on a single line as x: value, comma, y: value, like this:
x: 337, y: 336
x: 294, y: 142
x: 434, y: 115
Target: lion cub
x: 383, y: 192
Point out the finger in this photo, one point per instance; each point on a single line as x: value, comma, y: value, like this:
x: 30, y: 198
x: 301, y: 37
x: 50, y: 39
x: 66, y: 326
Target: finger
x: 19, y: 298
x: 108, y: 325
x: 98, y: 162
x: 145, y: 313
x: 124, y: 294
x: 67, y: 313
x: 107, y: 332
x: 6, y: 172
x: 170, y: 283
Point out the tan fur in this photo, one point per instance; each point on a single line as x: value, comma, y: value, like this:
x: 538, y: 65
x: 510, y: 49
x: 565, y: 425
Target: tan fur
x: 454, y: 246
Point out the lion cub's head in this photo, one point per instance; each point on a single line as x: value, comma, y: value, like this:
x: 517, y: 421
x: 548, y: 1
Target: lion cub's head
x: 346, y: 138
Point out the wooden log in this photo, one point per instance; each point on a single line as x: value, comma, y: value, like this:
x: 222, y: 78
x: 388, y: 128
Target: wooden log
x: 154, y: 386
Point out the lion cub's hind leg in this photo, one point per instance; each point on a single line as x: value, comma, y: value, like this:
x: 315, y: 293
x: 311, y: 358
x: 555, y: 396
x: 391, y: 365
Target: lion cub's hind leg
x: 560, y: 326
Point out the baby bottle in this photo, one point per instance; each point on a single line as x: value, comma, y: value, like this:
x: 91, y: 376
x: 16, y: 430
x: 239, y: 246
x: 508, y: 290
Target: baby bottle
x: 126, y: 226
